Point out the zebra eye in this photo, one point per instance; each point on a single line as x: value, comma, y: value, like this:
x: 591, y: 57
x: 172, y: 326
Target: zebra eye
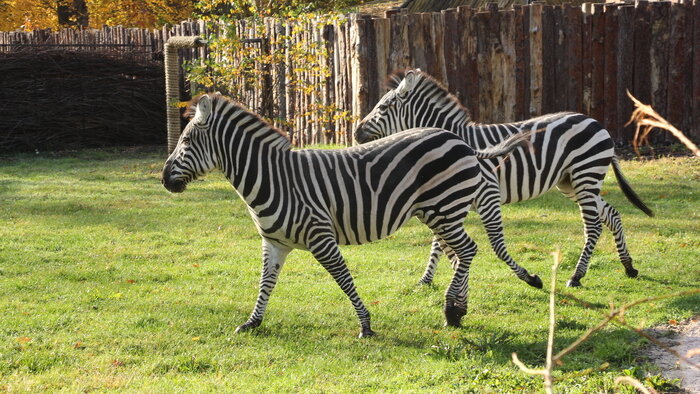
x: 186, y: 139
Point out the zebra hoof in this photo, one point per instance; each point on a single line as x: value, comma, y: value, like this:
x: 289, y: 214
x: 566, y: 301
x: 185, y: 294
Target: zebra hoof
x: 534, y: 281
x: 425, y: 282
x: 454, y: 314
x: 631, y: 272
x: 247, y: 326
x: 366, y: 333
x: 573, y: 283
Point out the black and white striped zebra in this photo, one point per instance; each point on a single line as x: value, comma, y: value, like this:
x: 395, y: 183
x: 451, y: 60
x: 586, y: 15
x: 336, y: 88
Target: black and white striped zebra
x: 317, y: 199
x: 571, y: 151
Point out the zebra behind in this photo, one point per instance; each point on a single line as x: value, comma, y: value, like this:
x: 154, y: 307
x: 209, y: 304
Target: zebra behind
x: 318, y: 199
x: 571, y: 152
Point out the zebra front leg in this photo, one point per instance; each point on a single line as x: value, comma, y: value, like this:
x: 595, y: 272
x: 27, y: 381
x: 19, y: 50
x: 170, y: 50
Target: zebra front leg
x: 589, y: 205
x: 489, y: 211
x: 273, y: 257
x: 435, y: 253
x: 611, y: 218
x: 327, y: 253
x: 457, y: 294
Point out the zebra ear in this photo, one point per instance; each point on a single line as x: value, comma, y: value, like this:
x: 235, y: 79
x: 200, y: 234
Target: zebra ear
x: 407, y: 84
x: 203, y: 109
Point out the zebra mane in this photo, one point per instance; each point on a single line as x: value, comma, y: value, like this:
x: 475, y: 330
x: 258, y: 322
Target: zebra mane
x: 217, y: 97
x: 395, y: 78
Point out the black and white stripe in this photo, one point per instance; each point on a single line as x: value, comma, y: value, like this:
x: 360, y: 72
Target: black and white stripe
x: 318, y: 199
x: 571, y: 152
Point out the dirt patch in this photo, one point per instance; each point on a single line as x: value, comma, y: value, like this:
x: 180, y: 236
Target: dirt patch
x: 684, y: 338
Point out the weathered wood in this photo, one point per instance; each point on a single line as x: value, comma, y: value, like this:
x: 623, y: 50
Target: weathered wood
x: 549, y: 72
x: 611, y: 48
x: 586, y: 57
x: 451, y: 48
x: 508, y: 60
x: 625, y: 76
x: 536, y: 59
x: 695, y: 73
x: 573, y: 29
x: 562, y: 40
x: 597, y: 104
x: 484, y: 67
x: 469, y: 90
x: 522, y: 50
x: 679, y: 64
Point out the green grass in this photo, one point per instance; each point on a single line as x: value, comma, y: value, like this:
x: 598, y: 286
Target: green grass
x: 108, y: 282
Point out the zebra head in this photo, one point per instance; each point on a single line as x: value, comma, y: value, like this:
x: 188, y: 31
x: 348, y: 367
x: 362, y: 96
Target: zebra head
x: 194, y: 155
x: 392, y: 113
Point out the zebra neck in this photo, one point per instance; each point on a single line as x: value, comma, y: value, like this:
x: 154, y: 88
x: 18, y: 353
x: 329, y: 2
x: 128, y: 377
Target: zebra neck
x: 254, y: 158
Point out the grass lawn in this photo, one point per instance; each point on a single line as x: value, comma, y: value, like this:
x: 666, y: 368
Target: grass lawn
x: 109, y: 282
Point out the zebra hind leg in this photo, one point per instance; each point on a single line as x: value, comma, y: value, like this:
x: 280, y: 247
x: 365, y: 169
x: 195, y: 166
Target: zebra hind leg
x: 273, y: 258
x: 489, y: 211
x: 326, y: 251
x: 611, y: 218
x: 435, y: 253
x: 589, y: 205
x: 457, y: 294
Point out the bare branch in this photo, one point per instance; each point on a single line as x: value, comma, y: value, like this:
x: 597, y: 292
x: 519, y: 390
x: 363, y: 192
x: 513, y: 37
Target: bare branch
x: 634, y: 383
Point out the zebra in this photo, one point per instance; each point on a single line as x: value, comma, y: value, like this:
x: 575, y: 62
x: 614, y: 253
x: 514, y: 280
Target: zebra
x: 318, y: 199
x: 570, y: 151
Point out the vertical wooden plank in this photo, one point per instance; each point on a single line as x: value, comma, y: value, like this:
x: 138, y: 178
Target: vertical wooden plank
x: 522, y: 49
x: 428, y: 47
x: 549, y: 40
x: 678, y: 99
x: 625, y: 64
x: 559, y: 101
x: 611, y: 48
x: 642, y: 52
x: 469, y: 89
x: 416, y: 42
x: 400, y: 57
x: 483, y: 66
x: 438, y: 38
x: 382, y: 31
x: 370, y: 59
x: 586, y: 57
x: 451, y: 48
x: 536, y: 59
x: 695, y: 73
x: 574, y: 53
x: 509, y: 98
x: 358, y: 35
x: 597, y: 106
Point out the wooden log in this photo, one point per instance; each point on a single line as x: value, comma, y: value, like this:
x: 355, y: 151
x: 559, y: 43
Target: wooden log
x: 679, y: 66
x: 437, y: 33
x: 382, y: 34
x: 451, y: 48
x: 416, y: 42
x: 586, y: 60
x: 358, y: 34
x: 400, y: 57
x: 611, y: 48
x: 428, y: 47
x: 468, y: 89
x: 694, y: 133
x: 549, y: 72
x: 561, y: 41
x: 536, y: 59
x: 522, y: 49
x: 597, y: 105
x: 484, y: 67
x: 625, y: 74
x: 573, y: 30
x: 641, y: 88
x: 508, y: 60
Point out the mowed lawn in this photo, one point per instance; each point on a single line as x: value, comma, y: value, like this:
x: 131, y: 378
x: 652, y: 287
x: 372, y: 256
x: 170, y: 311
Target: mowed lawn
x: 110, y: 283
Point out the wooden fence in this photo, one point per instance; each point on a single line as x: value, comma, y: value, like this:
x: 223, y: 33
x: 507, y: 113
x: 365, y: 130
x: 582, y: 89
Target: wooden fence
x: 504, y: 65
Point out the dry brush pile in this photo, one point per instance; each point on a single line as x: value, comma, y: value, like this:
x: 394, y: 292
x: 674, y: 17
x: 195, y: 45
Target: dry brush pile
x: 59, y: 99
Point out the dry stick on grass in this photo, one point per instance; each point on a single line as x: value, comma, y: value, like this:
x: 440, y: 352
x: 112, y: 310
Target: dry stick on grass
x: 616, y: 314
x: 635, y: 383
x: 647, y: 119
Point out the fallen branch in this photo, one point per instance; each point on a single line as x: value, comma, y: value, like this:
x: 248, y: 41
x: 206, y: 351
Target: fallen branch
x: 647, y: 119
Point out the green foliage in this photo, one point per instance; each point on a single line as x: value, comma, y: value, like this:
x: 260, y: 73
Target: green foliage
x: 109, y: 283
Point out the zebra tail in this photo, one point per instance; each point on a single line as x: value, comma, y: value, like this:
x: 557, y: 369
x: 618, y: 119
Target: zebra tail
x: 627, y: 189
x: 507, y: 146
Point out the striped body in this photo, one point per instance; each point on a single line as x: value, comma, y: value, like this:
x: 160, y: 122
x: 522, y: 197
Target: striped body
x: 569, y: 151
x: 318, y: 199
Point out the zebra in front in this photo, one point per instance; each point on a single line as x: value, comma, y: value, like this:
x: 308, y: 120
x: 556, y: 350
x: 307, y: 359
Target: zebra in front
x: 571, y: 152
x: 317, y: 199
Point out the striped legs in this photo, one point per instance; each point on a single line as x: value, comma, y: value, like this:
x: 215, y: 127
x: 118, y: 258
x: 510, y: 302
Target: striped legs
x: 435, y: 253
x: 489, y: 211
x: 453, y: 239
x: 273, y: 257
x: 611, y: 219
x: 326, y: 251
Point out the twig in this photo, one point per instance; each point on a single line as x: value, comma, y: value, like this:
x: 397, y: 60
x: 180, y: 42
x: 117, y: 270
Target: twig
x: 647, y: 119
x: 635, y: 383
